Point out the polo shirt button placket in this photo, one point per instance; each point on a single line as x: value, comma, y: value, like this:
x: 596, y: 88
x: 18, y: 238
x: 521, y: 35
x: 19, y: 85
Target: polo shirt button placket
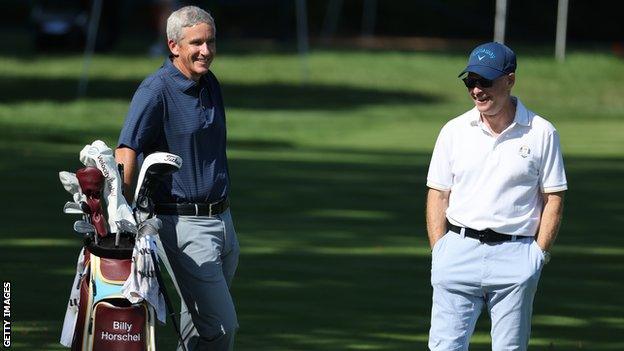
x: 201, y: 102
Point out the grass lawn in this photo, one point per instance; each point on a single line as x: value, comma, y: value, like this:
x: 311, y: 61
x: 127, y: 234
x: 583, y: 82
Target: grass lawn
x: 328, y: 191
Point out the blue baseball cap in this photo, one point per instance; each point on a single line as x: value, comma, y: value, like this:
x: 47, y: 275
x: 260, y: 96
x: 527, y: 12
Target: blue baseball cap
x: 491, y: 60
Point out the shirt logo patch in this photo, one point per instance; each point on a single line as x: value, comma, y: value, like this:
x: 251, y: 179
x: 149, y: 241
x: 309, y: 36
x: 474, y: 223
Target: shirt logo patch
x: 524, y: 151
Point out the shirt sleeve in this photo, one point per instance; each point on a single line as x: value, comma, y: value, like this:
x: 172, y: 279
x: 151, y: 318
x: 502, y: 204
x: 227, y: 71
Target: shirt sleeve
x: 143, y: 123
x: 552, y: 172
x: 440, y: 176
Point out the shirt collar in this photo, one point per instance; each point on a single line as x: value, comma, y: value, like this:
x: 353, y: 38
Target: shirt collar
x: 521, y: 117
x: 179, y: 79
x: 522, y: 114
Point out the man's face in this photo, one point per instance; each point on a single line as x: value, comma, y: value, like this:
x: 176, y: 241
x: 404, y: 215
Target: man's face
x: 491, y: 100
x: 195, y: 51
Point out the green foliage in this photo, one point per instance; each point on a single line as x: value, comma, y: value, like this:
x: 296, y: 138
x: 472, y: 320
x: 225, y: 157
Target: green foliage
x: 328, y: 192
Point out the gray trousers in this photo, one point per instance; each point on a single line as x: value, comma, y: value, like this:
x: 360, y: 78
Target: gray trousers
x: 201, y: 257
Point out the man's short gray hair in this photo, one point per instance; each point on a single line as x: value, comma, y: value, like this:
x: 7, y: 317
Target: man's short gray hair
x: 186, y: 16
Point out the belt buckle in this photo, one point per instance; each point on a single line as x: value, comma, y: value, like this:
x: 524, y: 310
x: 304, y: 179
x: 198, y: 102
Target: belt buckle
x: 210, y: 210
x: 482, y: 236
x: 196, y: 209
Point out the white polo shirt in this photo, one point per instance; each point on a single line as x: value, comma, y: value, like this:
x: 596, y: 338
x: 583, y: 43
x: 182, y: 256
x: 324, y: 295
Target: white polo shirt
x: 497, y: 182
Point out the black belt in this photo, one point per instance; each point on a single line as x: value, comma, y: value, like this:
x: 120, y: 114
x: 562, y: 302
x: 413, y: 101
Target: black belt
x: 193, y: 209
x: 484, y: 236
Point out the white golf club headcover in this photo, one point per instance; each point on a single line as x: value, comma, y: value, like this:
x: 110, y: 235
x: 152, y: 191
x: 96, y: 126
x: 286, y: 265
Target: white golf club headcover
x: 99, y: 155
x: 70, y: 182
x: 89, y: 153
x: 79, y: 197
x: 155, y: 159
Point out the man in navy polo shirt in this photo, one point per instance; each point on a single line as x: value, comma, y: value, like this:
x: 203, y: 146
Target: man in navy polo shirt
x: 496, y: 184
x: 179, y: 109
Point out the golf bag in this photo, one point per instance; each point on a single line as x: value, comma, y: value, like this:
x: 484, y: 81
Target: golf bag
x: 118, y: 293
x: 106, y: 319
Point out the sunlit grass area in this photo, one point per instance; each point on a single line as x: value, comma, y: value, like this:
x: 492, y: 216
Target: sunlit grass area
x: 328, y: 178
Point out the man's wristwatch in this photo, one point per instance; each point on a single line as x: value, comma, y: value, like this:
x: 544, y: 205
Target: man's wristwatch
x: 546, y: 256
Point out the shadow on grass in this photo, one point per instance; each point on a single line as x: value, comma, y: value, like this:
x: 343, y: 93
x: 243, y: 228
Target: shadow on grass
x: 279, y: 96
x: 334, y: 252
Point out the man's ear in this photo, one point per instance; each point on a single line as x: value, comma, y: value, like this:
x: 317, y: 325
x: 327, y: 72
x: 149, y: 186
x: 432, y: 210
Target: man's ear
x: 173, y: 47
x: 511, y: 80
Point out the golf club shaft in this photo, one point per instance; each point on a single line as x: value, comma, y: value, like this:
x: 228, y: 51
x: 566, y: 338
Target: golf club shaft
x: 163, y: 291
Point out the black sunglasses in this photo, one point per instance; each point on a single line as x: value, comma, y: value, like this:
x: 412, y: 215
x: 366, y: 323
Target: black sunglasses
x: 472, y: 82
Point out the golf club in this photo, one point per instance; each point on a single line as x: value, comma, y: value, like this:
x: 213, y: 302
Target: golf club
x: 84, y: 227
x: 72, y: 208
x: 150, y: 226
x: 125, y: 226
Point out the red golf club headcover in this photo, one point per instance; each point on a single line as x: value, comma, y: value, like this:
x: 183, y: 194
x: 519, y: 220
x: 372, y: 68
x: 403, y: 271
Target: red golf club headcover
x: 91, y: 180
x: 97, y: 217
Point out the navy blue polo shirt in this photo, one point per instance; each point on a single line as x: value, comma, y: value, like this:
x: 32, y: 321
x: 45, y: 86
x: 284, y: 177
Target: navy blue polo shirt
x: 172, y: 113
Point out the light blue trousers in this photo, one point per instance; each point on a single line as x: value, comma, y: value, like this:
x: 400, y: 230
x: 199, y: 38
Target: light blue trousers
x: 202, y: 256
x: 468, y: 276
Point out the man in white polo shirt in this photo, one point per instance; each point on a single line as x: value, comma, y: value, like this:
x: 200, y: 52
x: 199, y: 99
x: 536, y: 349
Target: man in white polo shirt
x: 496, y: 184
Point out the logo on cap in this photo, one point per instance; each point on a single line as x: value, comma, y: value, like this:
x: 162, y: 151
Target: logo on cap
x: 485, y: 52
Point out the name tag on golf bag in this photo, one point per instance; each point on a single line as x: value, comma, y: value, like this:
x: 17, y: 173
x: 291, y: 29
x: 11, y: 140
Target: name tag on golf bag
x: 106, y: 320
